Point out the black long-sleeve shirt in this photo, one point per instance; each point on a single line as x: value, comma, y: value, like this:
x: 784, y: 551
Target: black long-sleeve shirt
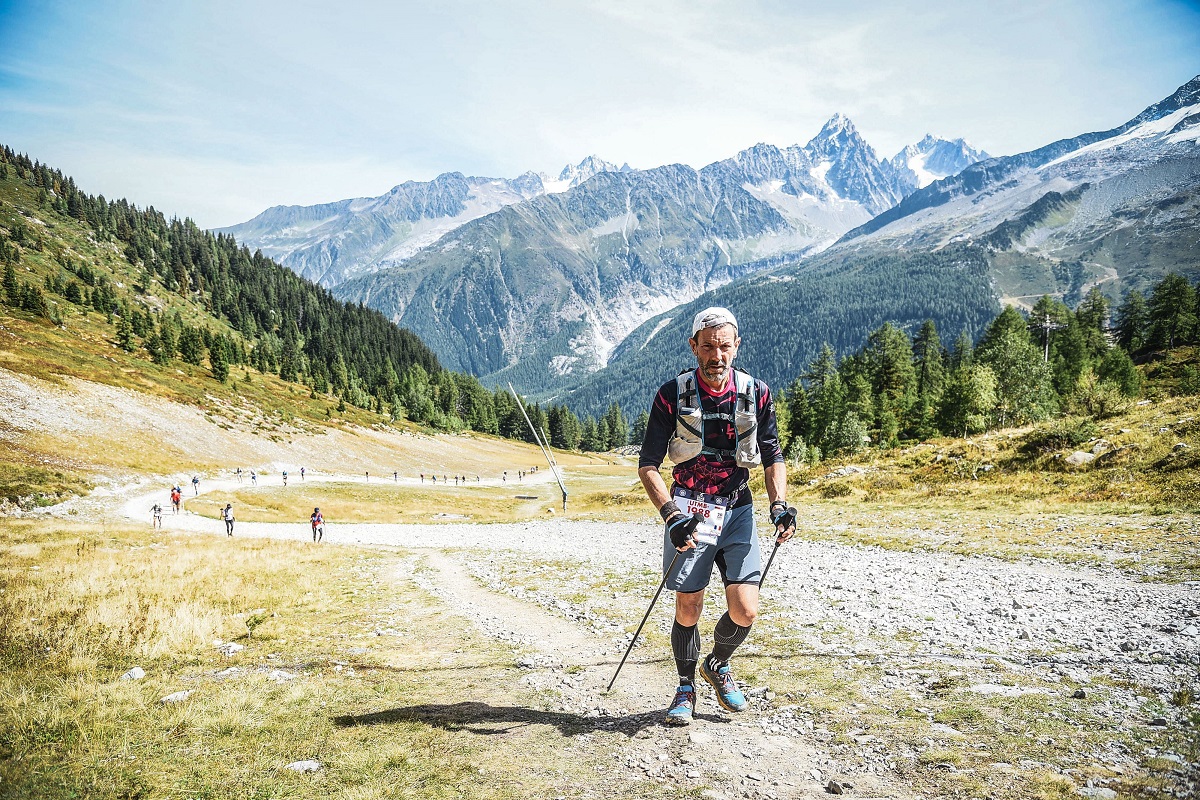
x: 709, y: 473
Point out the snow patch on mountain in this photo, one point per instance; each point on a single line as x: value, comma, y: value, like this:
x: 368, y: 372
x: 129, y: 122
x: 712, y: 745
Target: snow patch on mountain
x: 1143, y: 134
x: 622, y: 223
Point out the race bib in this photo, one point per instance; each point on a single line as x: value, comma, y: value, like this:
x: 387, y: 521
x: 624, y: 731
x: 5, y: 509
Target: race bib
x: 710, y: 507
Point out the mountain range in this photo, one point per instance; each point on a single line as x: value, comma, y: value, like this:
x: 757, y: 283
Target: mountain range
x: 570, y: 286
x: 497, y: 274
x: 1116, y: 209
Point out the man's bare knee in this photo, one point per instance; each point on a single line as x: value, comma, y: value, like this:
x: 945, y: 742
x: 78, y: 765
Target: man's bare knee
x: 688, y: 607
x: 742, y: 600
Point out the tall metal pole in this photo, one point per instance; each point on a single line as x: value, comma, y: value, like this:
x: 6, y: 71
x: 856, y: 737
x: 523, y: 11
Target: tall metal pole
x: 537, y: 437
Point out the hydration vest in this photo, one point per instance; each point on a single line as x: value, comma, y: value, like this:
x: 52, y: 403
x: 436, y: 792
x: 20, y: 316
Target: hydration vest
x: 688, y: 441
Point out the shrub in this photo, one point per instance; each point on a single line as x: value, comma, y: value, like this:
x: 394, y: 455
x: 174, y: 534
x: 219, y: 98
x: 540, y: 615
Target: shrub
x: 1101, y: 399
x: 833, y: 490
x: 1058, y: 435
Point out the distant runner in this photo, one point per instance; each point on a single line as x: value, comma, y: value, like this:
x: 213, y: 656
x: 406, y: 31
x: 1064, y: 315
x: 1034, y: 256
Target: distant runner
x: 176, y: 498
x: 285, y: 477
x: 227, y: 515
x: 318, y: 525
x: 156, y: 519
x: 302, y: 473
x: 195, y: 485
x: 253, y: 478
x: 239, y: 474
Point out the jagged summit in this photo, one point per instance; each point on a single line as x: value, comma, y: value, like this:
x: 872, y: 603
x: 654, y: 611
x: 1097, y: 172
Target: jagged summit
x: 932, y: 159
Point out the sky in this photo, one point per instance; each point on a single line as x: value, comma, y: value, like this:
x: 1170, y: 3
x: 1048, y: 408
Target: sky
x: 218, y: 110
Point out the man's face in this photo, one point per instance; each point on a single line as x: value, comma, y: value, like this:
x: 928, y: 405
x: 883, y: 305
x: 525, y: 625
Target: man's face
x: 715, y: 349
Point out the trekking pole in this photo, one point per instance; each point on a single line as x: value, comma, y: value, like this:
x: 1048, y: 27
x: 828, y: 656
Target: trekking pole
x: 633, y: 641
x: 788, y: 518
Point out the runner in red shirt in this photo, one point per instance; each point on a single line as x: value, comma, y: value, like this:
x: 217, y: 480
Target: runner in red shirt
x: 716, y: 424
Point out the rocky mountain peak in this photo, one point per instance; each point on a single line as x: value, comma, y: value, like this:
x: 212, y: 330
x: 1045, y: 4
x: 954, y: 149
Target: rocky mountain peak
x: 575, y: 174
x: 932, y: 159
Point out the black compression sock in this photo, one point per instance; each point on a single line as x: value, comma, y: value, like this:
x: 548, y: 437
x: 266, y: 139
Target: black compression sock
x: 685, y: 645
x: 726, y: 638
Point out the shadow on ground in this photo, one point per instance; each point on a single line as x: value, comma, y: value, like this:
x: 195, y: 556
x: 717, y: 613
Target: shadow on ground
x: 487, y: 720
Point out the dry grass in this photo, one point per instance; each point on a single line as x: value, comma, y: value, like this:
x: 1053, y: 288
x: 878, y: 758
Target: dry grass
x: 80, y: 605
x: 1009, y: 494
x: 604, y: 493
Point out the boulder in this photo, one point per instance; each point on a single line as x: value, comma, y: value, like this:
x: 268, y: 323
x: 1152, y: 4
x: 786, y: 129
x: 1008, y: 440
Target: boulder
x: 1079, y: 458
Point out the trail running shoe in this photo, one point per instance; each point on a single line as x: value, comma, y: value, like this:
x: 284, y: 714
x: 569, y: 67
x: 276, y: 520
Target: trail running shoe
x: 728, y: 694
x: 680, y: 712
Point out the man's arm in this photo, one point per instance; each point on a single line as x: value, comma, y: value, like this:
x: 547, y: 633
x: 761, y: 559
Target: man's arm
x: 656, y: 487
x: 776, y: 480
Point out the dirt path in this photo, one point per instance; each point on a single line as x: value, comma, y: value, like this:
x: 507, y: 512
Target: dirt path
x: 729, y: 751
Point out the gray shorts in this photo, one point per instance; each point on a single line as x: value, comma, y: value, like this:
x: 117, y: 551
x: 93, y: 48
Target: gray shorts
x: 736, y: 555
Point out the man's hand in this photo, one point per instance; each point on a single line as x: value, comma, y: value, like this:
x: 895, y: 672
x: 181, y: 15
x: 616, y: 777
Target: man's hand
x: 784, y: 518
x: 680, y: 528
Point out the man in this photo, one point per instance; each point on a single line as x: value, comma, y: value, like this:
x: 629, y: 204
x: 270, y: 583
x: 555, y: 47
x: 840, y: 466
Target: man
x: 196, y: 485
x: 318, y: 525
x: 176, y: 497
x: 156, y: 512
x: 227, y: 515
x: 716, y: 424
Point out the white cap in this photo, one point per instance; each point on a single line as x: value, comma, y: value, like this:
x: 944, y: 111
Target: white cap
x: 712, y: 317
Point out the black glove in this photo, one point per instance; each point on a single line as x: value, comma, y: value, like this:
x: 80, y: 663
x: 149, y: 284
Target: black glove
x: 680, y: 528
x: 782, y: 514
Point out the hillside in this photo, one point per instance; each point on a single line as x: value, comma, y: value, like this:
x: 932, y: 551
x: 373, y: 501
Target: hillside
x: 133, y: 346
x: 786, y: 314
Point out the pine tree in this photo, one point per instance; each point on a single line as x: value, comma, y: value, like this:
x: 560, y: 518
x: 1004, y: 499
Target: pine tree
x: 963, y: 354
x: 1172, y: 311
x: 967, y: 400
x: 590, y: 438
x: 218, y: 360
x: 125, y: 332
x: 799, y: 413
x: 12, y: 289
x: 637, y: 433
x: 1133, y: 322
x: 618, y: 428
x: 930, y: 375
x: 1092, y: 315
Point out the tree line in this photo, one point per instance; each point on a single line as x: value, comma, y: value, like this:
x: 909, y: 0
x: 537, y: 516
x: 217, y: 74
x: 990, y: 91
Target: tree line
x: 1022, y: 369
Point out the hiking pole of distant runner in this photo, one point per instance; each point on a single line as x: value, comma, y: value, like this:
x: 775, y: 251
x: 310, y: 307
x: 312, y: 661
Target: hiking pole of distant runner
x: 537, y: 437
x: 633, y: 641
x: 788, y: 518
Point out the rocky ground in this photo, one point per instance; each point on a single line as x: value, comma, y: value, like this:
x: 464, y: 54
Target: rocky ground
x: 913, y: 621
